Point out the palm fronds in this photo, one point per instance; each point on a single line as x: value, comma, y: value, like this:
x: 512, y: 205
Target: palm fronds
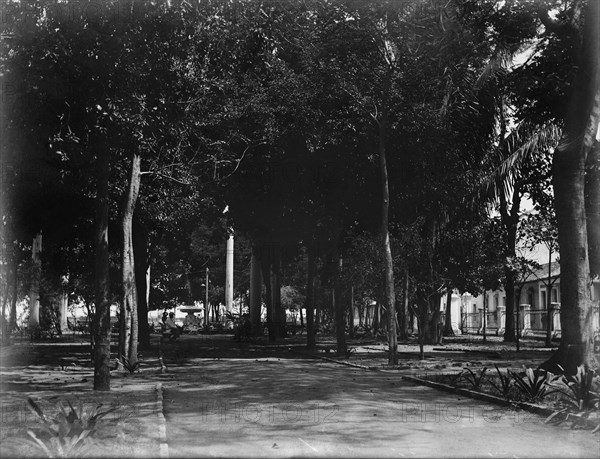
x: 512, y: 155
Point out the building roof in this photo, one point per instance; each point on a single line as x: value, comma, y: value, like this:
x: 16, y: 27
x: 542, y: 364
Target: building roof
x: 542, y: 273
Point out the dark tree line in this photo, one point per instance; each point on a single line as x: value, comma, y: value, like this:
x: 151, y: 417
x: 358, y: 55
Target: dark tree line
x: 368, y: 141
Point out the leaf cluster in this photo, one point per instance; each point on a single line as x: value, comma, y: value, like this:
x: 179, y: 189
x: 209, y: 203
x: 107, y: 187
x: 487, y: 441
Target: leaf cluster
x: 69, y: 433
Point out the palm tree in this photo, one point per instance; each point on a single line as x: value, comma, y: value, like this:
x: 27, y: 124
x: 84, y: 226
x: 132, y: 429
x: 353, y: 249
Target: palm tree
x: 513, y: 166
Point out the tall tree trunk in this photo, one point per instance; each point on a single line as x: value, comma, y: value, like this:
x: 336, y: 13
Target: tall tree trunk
x: 360, y: 308
x: 549, y: 318
x: 576, y: 305
x: 511, y: 307
x: 592, y: 207
x: 206, y: 299
x: 389, y: 295
x: 376, y: 316
x: 485, y: 310
x: 569, y: 167
x: 430, y: 318
x: 101, y: 322
x: 3, y: 321
x: 141, y: 257
x: 339, y: 307
x: 5, y: 300
x: 448, y: 331
x: 279, y: 313
x: 12, y: 324
x: 510, y: 220
x: 351, y: 313
x: 265, y: 260
x: 311, y: 331
x: 63, y: 304
x: 318, y: 298
x: 34, y: 297
x: 255, y: 291
x: 404, y: 311
x: 128, y: 338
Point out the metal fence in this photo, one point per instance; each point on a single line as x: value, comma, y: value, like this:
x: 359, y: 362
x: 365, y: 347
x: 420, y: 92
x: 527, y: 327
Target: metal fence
x: 538, y: 320
x: 470, y: 322
x: 530, y: 322
x: 491, y: 321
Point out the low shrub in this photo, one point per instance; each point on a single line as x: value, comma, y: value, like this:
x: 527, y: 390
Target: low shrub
x: 69, y: 433
x: 534, y: 385
x: 474, y: 379
x: 581, y: 398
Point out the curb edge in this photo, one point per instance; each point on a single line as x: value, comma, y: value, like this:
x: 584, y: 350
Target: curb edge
x: 162, y: 423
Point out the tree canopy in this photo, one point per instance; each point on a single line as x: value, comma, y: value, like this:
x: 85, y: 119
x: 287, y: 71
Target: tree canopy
x: 310, y: 128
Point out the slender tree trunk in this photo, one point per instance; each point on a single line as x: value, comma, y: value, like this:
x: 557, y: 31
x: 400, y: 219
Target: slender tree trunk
x: 510, y: 220
x: 339, y: 309
x: 389, y: 295
x: 518, y: 325
x: 576, y: 307
x: 128, y: 338
x: 421, y: 316
x: 448, y: 331
x: 317, y: 306
x: 279, y: 313
x: 310, y: 298
x: 142, y: 270
x: 10, y: 264
x: 569, y: 168
x: 255, y: 291
x: 3, y: 321
x: 5, y: 300
x: 509, y: 330
x: 351, y: 314
x: 404, y: 311
x: 592, y: 207
x: 485, y: 308
x: 265, y: 260
x: 375, y: 320
x: 63, y: 304
x: 101, y: 323
x: 12, y: 324
x: 34, y: 297
x: 206, y: 302
x: 360, y: 307
x: 429, y: 317
x: 549, y: 318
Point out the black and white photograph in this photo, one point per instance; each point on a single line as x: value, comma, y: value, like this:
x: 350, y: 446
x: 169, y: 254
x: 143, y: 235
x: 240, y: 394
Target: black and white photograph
x: 299, y: 228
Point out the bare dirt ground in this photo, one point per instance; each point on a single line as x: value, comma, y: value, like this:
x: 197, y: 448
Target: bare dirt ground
x: 220, y: 398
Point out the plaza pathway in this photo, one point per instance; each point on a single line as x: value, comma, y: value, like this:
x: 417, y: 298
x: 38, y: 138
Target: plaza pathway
x: 288, y: 406
x: 214, y: 397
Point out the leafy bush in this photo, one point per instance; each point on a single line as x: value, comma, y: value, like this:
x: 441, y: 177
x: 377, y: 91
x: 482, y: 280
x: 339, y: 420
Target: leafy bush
x: 69, y: 433
x: 455, y: 378
x: 128, y: 365
x: 582, y: 397
x: 505, y: 383
x: 535, y: 385
x: 473, y: 378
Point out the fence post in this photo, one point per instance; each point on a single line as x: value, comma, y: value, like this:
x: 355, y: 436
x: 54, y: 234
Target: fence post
x: 501, y: 319
x: 525, y: 319
x: 555, y: 314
